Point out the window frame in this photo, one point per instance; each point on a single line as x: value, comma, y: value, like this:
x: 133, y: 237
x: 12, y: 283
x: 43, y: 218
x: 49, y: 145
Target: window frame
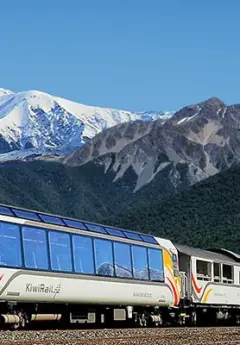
x: 161, y: 253
x: 93, y: 258
x: 83, y: 227
x: 133, y: 236
x: 47, y: 248
x: 148, y: 239
x: 33, y: 218
x: 20, y: 246
x: 201, y: 276
x: 42, y: 215
x: 8, y: 212
x: 92, y: 237
x: 131, y: 259
x: 146, y: 249
x: 217, y: 279
x: 110, y: 231
x: 226, y: 280
x: 94, y: 228
x: 71, y: 253
x: 113, y: 258
x: 63, y: 221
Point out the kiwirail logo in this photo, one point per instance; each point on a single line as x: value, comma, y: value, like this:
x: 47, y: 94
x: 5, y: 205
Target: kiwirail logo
x: 43, y: 288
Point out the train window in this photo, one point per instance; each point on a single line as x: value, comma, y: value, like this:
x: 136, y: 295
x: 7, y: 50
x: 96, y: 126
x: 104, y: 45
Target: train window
x: 227, y: 273
x: 35, y: 248
x: 140, y: 262
x: 204, y: 270
x: 155, y: 264
x: 149, y: 239
x: 96, y: 228
x: 10, y: 248
x: 217, y: 272
x: 132, y: 236
x: 75, y: 224
x: 5, y: 211
x: 175, y: 265
x: 51, y: 219
x: 60, y: 251
x: 103, y: 257
x: 82, y: 254
x: 26, y: 215
x: 115, y: 232
x: 123, y: 263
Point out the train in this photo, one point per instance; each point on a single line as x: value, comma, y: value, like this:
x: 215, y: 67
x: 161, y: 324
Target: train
x: 74, y: 272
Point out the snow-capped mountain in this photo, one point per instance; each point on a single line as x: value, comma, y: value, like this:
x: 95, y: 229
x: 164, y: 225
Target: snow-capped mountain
x: 4, y: 92
x: 37, y: 123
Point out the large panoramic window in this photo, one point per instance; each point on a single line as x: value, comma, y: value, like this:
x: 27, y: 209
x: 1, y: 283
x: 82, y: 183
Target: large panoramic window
x: 83, y: 254
x: 140, y: 263
x: 35, y: 248
x: 103, y: 257
x: 155, y: 264
x: 60, y: 251
x: 122, y: 258
x: 10, y: 248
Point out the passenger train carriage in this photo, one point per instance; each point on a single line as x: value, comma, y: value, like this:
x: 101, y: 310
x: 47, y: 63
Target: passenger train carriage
x: 60, y: 269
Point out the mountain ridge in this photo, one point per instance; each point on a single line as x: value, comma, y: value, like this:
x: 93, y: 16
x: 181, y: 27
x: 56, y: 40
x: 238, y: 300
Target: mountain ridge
x: 202, y: 139
x: 49, y: 124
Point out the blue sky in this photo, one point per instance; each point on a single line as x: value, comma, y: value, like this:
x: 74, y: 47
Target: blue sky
x: 129, y: 54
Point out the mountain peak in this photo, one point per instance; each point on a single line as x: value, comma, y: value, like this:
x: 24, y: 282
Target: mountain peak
x: 198, y: 141
x: 34, y: 120
x: 214, y: 101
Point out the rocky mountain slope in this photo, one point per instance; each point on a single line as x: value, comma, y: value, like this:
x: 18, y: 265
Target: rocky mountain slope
x: 34, y: 123
x: 197, y: 142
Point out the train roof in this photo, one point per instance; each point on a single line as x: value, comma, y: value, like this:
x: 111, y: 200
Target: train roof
x: 77, y: 224
x: 215, y: 255
x: 227, y: 252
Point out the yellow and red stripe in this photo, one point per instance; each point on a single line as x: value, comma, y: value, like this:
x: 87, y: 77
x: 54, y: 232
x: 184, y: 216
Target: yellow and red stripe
x: 198, y: 289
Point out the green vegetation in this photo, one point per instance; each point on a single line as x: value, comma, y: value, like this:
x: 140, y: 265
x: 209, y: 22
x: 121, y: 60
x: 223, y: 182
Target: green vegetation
x: 83, y: 192
x: 205, y: 215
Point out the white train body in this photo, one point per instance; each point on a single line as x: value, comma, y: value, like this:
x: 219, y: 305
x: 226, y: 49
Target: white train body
x: 36, y: 287
x: 213, y: 292
x: 25, y: 285
x: 212, y: 277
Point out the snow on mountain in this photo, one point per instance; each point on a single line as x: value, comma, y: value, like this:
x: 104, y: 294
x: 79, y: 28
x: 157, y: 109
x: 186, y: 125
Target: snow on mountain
x: 4, y: 92
x: 39, y: 124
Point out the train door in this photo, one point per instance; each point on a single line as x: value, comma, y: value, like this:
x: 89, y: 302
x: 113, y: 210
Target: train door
x: 185, y: 274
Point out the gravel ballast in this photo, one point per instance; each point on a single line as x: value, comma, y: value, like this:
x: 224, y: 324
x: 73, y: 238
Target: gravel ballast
x: 153, y: 336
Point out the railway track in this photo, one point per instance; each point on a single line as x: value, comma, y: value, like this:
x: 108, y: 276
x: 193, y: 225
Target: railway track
x: 152, y: 336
